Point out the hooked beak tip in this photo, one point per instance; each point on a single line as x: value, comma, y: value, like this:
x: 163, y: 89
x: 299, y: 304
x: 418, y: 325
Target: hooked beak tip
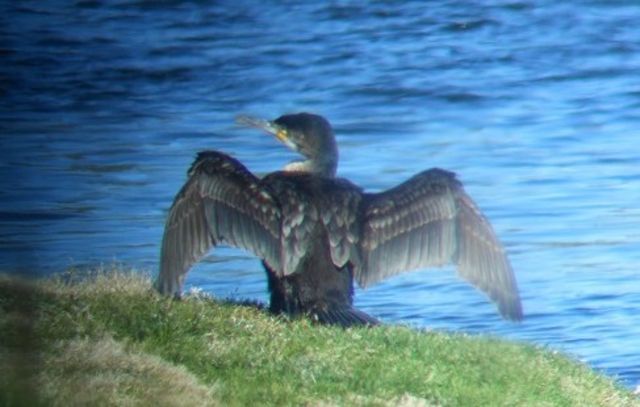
x: 256, y: 122
x: 267, y: 126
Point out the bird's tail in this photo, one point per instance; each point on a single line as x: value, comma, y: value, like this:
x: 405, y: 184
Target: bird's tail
x: 344, y: 317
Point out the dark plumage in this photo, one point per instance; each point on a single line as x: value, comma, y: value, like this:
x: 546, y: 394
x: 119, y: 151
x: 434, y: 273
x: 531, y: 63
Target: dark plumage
x: 316, y: 233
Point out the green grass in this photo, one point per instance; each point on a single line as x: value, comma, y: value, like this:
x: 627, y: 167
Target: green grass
x: 110, y: 340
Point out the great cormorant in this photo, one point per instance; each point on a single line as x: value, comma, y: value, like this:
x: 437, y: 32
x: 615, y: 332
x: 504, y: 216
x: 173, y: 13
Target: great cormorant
x: 315, y: 233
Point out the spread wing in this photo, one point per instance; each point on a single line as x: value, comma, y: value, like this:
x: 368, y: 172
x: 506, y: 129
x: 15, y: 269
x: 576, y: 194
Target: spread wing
x: 220, y: 202
x: 428, y: 221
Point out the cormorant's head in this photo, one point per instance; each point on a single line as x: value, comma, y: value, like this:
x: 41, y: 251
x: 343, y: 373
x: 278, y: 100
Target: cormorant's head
x: 308, y: 134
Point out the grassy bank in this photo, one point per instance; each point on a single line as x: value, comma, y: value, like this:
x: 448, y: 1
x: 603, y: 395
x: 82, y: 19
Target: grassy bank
x: 110, y: 340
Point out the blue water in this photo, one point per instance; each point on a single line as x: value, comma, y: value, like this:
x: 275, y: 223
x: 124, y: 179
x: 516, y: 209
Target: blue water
x: 536, y: 105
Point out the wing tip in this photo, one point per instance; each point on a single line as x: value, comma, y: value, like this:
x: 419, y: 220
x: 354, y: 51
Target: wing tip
x: 511, y: 311
x: 168, y: 287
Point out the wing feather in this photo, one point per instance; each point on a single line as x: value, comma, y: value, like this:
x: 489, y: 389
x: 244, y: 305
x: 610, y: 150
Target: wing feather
x: 407, y: 227
x: 429, y: 221
x: 482, y: 260
x: 341, y: 202
x: 221, y: 201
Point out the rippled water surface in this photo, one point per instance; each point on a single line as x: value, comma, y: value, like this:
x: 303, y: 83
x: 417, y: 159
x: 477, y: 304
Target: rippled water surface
x: 536, y: 105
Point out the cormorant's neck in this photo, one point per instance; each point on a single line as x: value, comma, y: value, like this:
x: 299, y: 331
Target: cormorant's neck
x: 325, y: 166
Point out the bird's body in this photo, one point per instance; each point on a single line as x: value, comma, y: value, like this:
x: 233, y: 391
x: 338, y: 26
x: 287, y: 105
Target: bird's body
x: 316, y: 233
x: 315, y: 285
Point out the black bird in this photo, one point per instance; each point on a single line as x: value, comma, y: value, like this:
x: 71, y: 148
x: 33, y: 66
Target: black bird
x: 315, y: 233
